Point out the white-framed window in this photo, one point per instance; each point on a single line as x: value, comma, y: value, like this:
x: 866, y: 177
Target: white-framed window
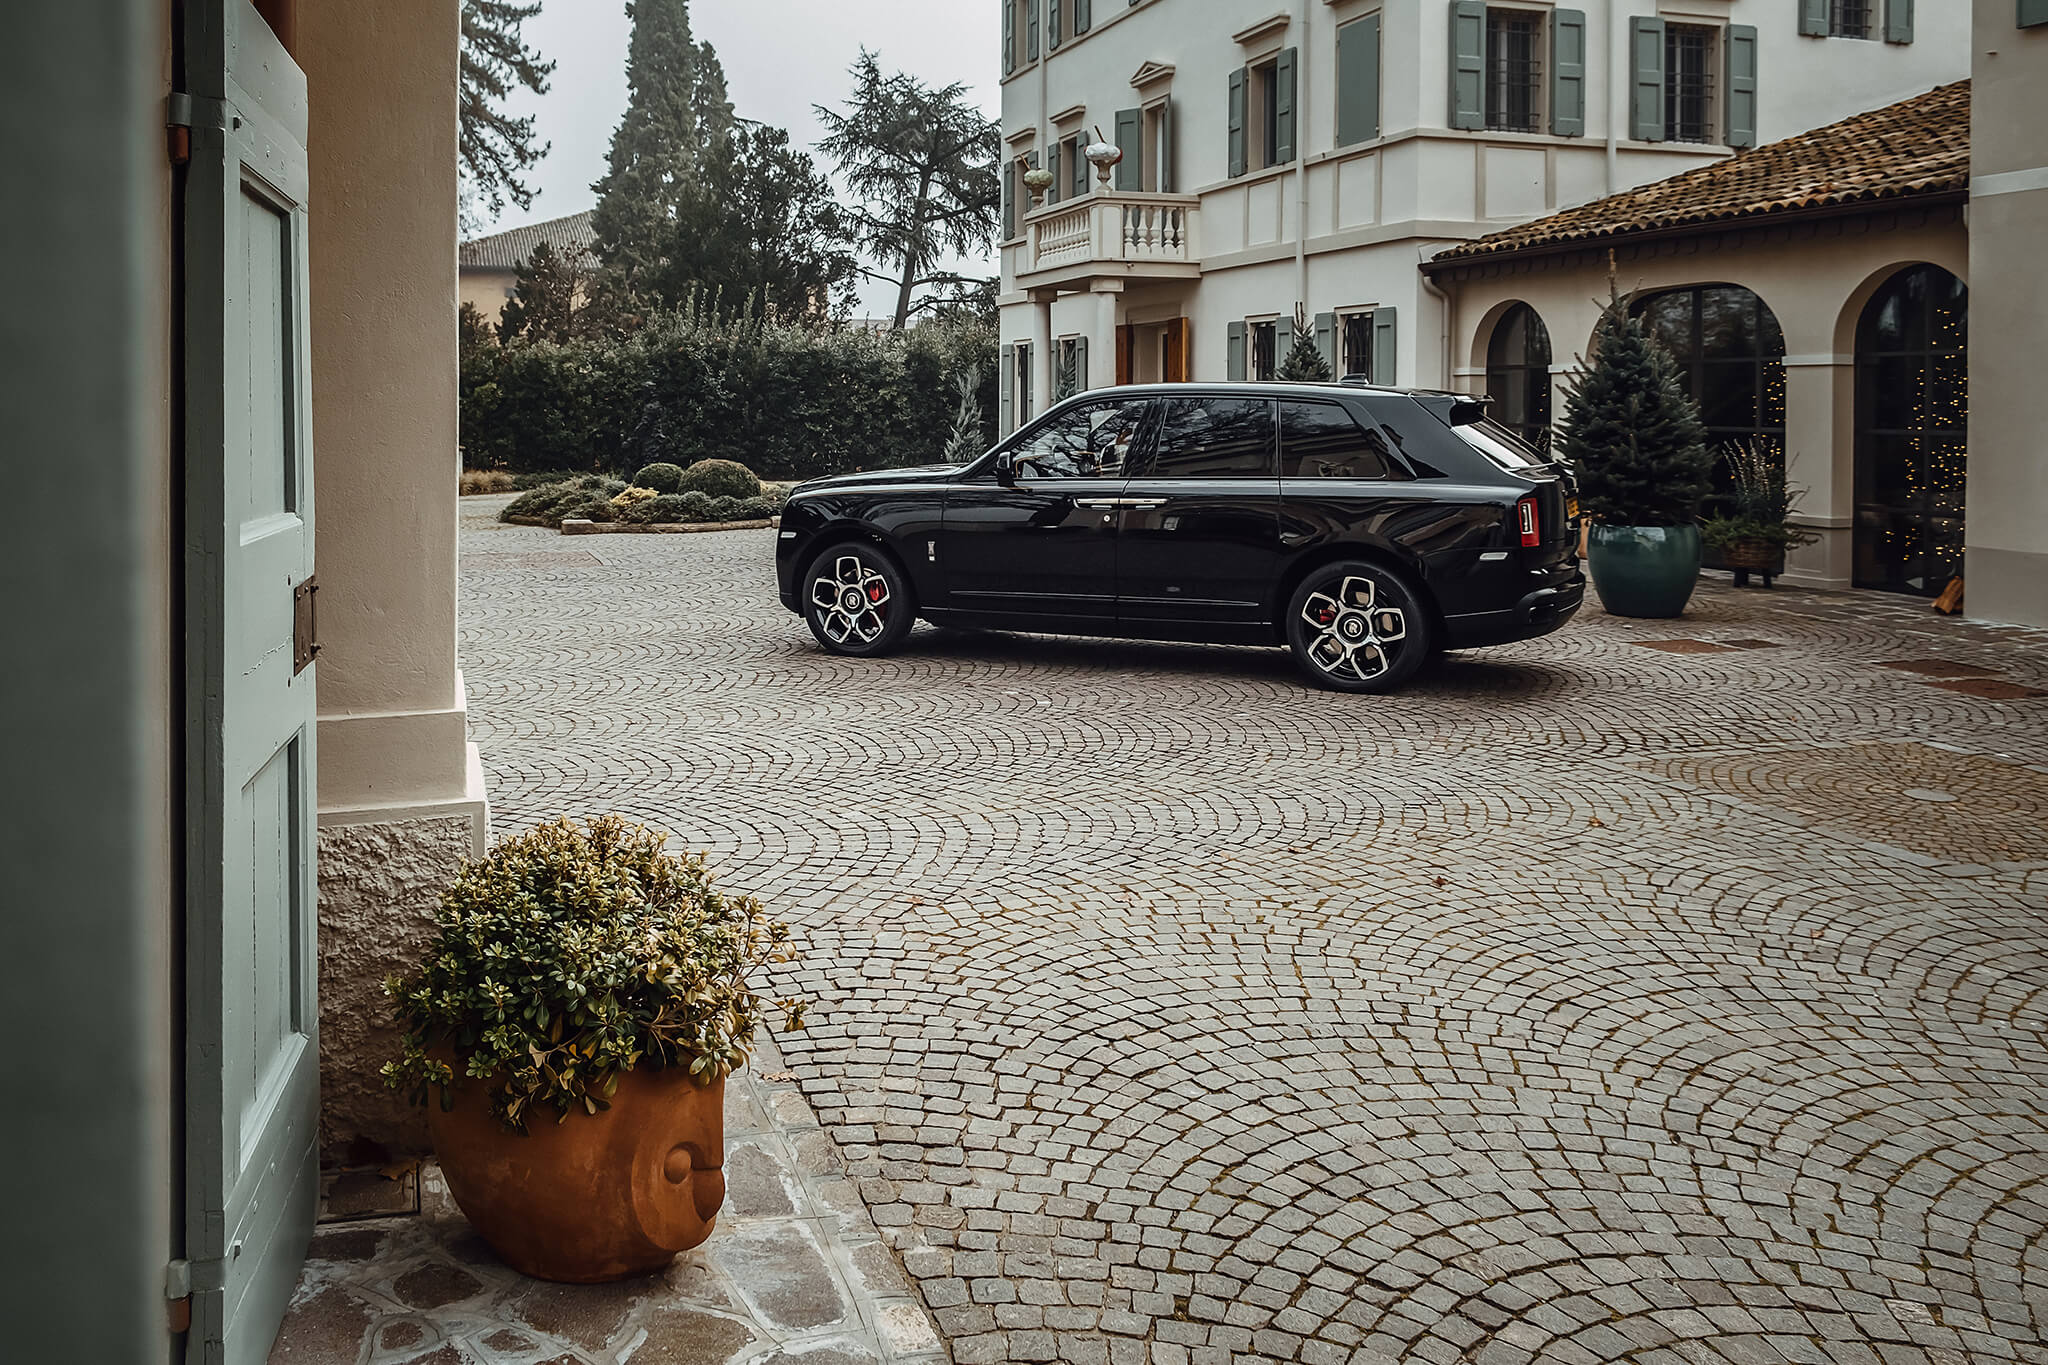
x: 1514, y: 69
x: 1261, y: 347
x: 1354, y: 343
x: 1851, y: 18
x: 1069, y: 367
x: 1690, y: 73
x: 1156, y: 149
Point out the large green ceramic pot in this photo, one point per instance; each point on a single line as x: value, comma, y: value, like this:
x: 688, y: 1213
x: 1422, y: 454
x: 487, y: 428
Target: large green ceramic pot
x: 1644, y: 570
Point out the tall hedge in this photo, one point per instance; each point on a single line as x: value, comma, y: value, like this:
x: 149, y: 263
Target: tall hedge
x: 788, y: 401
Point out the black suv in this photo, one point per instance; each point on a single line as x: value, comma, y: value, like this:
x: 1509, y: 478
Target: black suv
x: 1362, y: 528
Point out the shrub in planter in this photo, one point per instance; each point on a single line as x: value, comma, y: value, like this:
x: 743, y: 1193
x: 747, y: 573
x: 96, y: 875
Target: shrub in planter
x: 1634, y: 440
x: 722, y: 479
x: 661, y: 476
x: 570, y: 1029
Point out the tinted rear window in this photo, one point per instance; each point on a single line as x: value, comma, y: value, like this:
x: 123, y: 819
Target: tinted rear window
x: 1322, y: 441
x: 1499, y: 445
x: 1216, y: 438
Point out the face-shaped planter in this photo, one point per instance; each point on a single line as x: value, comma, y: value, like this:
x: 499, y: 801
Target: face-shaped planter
x: 596, y: 1196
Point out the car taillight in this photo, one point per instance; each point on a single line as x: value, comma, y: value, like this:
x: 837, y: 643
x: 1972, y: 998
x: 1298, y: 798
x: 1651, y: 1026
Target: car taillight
x: 1532, y: 524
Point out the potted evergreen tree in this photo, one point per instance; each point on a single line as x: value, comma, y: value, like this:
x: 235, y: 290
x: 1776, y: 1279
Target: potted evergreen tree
x: 571, y: 1027
x: 1633, y: 439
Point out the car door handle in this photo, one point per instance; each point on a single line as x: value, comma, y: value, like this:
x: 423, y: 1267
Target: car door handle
x: 1098, y: 502
x: 1142, y: 502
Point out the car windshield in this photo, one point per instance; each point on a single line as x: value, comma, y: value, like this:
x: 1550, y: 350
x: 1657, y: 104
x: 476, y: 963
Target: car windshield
x: 1500, y: 445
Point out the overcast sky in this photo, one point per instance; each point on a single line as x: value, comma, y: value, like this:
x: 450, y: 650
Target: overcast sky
x: 780, y: 58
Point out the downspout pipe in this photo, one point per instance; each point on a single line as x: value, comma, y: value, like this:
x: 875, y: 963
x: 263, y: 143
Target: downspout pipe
x: 1301, y: 122
x: 1617, y: 62
x: 1445, y: 311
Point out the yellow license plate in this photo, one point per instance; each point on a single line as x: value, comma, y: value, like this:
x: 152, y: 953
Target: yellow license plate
x: 1571, y: 509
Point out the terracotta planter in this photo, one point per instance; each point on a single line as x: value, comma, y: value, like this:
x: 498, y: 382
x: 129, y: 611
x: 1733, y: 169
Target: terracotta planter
x: 597, y: 1196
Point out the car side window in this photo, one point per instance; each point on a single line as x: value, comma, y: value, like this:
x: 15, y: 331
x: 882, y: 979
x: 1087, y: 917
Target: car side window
x: 1409, y: 427
x: 1213, y: 438
x: 1093, y: 441
x: 1323, y: 441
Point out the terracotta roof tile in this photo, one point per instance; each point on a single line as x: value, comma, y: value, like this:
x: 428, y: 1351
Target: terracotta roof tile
x: 508, y: 250
x: 1917, y: 146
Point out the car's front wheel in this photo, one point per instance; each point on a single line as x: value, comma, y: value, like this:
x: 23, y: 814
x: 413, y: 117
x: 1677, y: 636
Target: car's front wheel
x: 857, y: 601
x: 1354, y: 626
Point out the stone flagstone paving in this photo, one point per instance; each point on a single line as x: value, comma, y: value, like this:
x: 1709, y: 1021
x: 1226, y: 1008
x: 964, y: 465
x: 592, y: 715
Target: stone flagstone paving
x: 1585, y: 1002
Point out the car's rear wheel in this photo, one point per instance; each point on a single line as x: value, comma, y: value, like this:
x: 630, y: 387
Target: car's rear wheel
x: 857, y: 601
x: 1354, y: 626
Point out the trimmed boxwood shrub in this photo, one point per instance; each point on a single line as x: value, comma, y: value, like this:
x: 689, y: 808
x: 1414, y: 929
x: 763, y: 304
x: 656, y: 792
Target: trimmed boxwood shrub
x: 721, y: 479
x: 793, y: 400
x: 661, y: 476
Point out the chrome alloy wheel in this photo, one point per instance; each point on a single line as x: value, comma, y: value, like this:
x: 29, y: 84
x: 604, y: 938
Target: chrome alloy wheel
x: 852, y: 602
x: 1352, y: 632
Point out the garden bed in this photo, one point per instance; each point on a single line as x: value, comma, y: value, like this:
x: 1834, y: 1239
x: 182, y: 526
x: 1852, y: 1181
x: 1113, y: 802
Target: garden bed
x: 576, y: 526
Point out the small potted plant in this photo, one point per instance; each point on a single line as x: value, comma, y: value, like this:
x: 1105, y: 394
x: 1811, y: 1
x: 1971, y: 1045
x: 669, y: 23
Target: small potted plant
x: 570, y: 1029
x: 1754, y: 533
x: 1634, y: 440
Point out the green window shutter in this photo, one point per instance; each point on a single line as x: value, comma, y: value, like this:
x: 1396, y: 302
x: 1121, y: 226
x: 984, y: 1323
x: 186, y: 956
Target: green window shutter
x: 1283, y: 106
x: 1080, y: 171
x: 1082, y: 16
x: 1283, y: 339
x: 1742, y: 85
x: 1239, y: 79
x: 1030, y: 30
x: 1130, y: 140
x: 1052, y: 24
x: 1646, y: 62
x: 1468, y: 63
x: 1009, y: 397
x: 1009, y: 36
x: 1326, y: 339
x: 1234, y: 359
x: 1052, y: 163
x: 1080, y: 364
x: 1009, y: 202
x: 1024, y: 363
x: 2032, y: 13
x: 1358, y: 81
x: 1813, y: 18
x: 1898, y: 21
x: 1385, y: 325
x: 1568, y: 72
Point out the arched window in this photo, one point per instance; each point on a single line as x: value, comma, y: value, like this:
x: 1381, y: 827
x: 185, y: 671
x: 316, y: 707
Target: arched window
x: 1731, y: 359
x: 1518, y: 374
x: 1912, y: 431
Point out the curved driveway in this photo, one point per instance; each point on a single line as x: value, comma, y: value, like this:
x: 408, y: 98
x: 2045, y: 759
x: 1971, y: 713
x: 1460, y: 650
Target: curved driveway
x: 1593, y: 1000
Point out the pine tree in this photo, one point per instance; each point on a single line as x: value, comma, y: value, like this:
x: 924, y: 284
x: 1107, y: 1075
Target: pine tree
x: 922, y: 162
x: 1631, y: 434
x: 677, y: 120
x: 1304, y: 363
x: 494, y: 147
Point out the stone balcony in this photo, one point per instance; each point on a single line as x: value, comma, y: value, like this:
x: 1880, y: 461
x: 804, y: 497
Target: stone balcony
x: 1112, y: 235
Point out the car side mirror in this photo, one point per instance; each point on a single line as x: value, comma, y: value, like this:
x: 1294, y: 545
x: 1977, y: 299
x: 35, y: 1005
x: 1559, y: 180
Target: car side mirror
x: 1006, y: 468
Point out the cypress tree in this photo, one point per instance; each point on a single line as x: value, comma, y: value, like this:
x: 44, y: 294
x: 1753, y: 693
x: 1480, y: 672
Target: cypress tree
x: 677, y: 117
x: 1631, y: 434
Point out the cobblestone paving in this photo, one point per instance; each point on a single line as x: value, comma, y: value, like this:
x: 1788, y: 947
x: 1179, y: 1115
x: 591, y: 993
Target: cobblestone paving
x: 1585, y: 1002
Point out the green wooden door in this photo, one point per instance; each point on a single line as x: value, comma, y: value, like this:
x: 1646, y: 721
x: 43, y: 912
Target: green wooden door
x: 251, y: 1055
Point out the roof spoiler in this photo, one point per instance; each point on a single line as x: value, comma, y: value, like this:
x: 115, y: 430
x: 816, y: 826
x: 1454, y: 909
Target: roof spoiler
x: 1467, y: 411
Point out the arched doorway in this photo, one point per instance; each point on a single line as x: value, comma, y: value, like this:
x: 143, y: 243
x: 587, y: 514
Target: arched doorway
x: 1731, y: 360
x: 1518, y: 374
x: 1912, y: 431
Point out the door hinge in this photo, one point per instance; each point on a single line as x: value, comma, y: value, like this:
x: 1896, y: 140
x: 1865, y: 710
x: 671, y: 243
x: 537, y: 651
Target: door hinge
x: 178, y: 1296
x: 178, y: 127
x: 305, y: 624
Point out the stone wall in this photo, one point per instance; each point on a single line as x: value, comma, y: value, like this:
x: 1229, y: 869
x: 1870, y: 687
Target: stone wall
x: 379, y: 884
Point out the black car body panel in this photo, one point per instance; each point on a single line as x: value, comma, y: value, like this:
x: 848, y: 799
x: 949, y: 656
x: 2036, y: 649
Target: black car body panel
x: 1139, y: 546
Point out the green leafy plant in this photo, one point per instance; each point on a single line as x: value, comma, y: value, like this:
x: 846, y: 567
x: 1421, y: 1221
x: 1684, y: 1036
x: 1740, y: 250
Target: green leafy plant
x: 1631, y: 434
x: 570, y: 955
x: 661, y: 477
x: 588, y: 498
x: 964, y: 441
x: 721, y: 479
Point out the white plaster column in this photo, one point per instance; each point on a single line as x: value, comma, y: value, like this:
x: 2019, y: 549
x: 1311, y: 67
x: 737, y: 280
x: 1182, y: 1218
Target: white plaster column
x: 1041, y: 354
x: 1102, y: 333
x: 1820, y: 458
x: 393, y: 739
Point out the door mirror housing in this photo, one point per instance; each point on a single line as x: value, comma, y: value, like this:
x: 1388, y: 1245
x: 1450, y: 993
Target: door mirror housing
x: 1006, y: 468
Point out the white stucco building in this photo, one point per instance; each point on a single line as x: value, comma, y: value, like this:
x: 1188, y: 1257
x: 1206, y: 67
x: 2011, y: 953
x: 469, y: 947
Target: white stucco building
x: 1310, y: 154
